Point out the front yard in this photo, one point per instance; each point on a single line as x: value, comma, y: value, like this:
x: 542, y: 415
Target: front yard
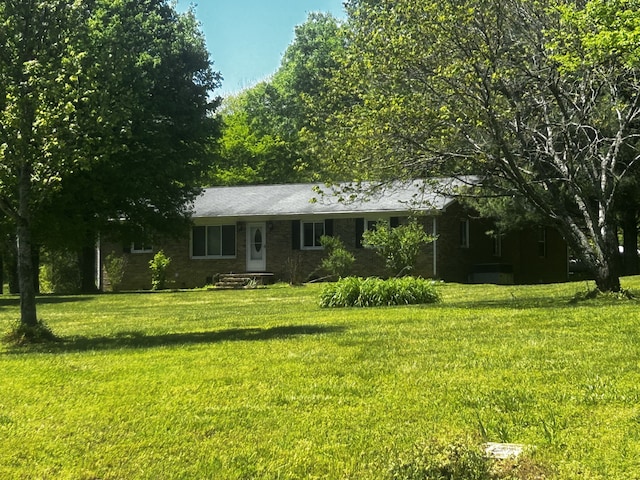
x: 266, y: 384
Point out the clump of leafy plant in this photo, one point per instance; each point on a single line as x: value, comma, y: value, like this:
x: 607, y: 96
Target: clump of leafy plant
x: 22, y: 334
x: 398, y: 246
x: 595, y: 294
x: 339, y: 260
x: 461, y: 461
x: 115, y: 266
x: 374, y: 292
x: 159, y: 266
x: 434, y: 461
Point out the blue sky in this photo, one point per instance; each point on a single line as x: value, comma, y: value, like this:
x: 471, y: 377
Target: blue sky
x: 246, y: 38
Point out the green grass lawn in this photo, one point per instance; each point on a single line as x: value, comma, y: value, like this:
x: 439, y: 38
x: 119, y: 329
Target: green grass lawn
x: 266, y: 384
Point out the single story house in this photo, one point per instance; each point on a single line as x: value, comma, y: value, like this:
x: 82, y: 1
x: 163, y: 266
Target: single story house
x: 275, y: 230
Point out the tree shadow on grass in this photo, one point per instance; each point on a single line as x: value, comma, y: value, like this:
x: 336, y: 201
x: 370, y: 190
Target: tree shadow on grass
x: 514, y: 303
x: 586, y: 299
x: 14, y: 300
x: 141, y: 340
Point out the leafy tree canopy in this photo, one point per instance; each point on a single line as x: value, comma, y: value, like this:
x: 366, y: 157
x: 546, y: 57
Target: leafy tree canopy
x: 105, y: 112
x: 537, y: 97
x: 266, y: 128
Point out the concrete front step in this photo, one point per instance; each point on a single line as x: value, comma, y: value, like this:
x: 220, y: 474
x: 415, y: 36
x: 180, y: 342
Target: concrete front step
x: 233, y: 281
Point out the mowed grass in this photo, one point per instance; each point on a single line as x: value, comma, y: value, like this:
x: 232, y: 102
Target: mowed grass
x: 266, y: 384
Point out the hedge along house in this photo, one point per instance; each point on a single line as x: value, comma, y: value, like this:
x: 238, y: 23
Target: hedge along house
x: 274, y: 231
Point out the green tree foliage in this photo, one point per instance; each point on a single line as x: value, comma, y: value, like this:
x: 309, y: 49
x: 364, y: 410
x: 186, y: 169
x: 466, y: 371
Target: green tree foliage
x: 266, y: 128
x: 398, y: 246
x: 150, y: 124
x: 536, y: 97
x: 255, y: 147
x: 104, y: 113
x: 59, y: 272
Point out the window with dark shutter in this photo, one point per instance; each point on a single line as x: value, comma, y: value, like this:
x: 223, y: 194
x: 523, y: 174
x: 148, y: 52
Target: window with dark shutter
x: 464, y: 233
x: 311, y: 233
x: 542, y: 242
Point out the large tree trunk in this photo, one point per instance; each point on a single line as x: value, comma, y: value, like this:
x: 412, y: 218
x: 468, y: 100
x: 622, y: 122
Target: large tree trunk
x: 26, y: 277
x: 599, y: 252
x: 607, y: 280
x: 26, y: 271
x: 607, y: 266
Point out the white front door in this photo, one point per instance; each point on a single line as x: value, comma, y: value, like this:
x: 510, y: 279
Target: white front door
x: 256, y: 247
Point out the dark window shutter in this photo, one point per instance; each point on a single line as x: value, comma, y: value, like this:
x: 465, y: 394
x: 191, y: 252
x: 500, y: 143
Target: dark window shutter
x: 126, y: 248
x: 328, y: 227
x: 394, y: 222
x: 295, y: 234
x: 359, y: 231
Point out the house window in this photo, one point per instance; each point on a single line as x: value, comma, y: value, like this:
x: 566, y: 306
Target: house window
x: 542, y: 242
x: 141, y: 247
x: 214, y: 241
x: 464, y: 233
x: 497, y: 245
x: 311, y: 232
x: 370, y: 225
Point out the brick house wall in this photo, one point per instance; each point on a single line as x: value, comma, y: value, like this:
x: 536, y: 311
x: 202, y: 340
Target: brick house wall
x: 520, y: 258
x: 282, y: 259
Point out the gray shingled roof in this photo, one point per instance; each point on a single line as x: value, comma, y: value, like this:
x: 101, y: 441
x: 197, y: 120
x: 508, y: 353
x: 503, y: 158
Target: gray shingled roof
x: 317, y: 199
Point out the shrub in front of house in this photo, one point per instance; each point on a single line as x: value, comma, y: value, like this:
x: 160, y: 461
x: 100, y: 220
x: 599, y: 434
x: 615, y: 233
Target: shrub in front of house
x: 376, y: 292
x: 399, y: 246
x: 339, y: 260
x: 159, y: 266
x: 115, y: 266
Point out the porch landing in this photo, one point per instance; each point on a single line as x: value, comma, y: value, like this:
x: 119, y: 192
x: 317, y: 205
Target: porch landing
x: 236, y: 281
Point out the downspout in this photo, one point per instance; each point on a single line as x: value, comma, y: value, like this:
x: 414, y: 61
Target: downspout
x: 435, y: 246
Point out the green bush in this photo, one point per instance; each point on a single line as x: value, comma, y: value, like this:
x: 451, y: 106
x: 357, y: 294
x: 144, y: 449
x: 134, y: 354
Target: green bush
x: 374, y: 292
x: 159, y: 266
x: 338, y: 261
x: 115, y: 266
x: 59, y: 272
x: 399, y: 246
